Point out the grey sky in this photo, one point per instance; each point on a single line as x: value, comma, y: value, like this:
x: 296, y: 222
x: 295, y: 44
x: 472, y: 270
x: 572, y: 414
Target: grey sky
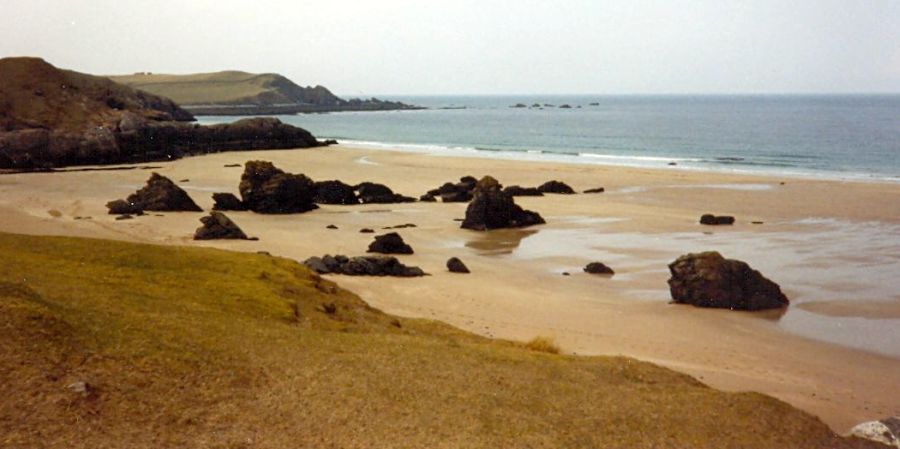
x: 479, y: 47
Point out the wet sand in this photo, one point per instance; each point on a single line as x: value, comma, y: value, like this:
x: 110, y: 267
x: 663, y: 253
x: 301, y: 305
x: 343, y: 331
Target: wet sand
x: 833, y: 246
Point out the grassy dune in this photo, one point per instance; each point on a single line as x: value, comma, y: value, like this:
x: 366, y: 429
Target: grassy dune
x: 191, y: 347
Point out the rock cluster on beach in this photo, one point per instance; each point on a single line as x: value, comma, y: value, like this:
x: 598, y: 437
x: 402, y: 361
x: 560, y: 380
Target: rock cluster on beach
x: 449, y: 192
x: 52, y: 118
x: 555, y: 187
x: 710, y: 280
x: 269, y: 190
x: 218, y: 226
x: 374, y: 193
x: 362, y: 266
x: 160, y: 194
x: 335, y: 192
x: 491, y: 208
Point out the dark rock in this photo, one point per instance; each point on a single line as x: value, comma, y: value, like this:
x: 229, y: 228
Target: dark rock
x: 456, y: 197
x: 597, y: 190
x: 491, y: 208
x: 566, y: 273
x: 428, y: 198
x: 227, y: 201
x: 390, y: 243
x: 598, y: 268
x: 330, y: 142
x: 218, y: 226
x: 402, y: 226
x: 565, y: 106
x: 709, y: 280
x: 555, y: 187
x: 757, y: 222
x: 231, y: 165
x: 335, y: 192
x: 374, y: 193
x: 519, y: 105
x: 367, y: 231
x: 184, y: 180
x: 672, y: 163
x: 122, y: 207
x: 522, y: 191
x: 460, y: 192
x: 710, y: 219
x: 268, y: 190
x: 362, y: 266
x: 161, y: 194
x: 331, y: 226
x: 456, y: 266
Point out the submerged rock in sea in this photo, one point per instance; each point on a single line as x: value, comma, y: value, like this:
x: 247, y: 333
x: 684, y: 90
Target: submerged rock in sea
x: 710, y: 219
x: 216, y: 226
x: 598, y: 268
x: 335, y: 192
x: 391, y: 243
x: 556, y: 187
x: 710, y: 280
x: 885, y: 431
x: 491, y: 208
x: 374, y: 193
x: 268, y: 190
x: 454, y: 265
x: 228, y: 201
x: 160, y: 194
x: 362, y: 266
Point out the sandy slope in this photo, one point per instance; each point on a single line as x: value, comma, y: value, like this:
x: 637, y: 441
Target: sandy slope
x: 516, y: 290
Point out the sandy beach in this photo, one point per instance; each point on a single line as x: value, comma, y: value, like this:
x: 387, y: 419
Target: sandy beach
x: 835, y: 352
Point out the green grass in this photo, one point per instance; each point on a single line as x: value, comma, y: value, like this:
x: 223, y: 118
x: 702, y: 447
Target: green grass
x: 192, y: 347
x: 229, y: 87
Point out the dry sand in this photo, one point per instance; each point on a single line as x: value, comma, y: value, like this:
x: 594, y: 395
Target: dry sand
x: 831, y: 245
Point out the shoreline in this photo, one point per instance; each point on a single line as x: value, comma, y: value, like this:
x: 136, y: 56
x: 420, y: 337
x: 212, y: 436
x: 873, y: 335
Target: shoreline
x: 516, y: 291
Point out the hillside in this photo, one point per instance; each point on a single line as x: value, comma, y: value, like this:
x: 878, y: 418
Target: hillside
x: 50, y: 117
x: 109, y: 344
x: 241, y: 93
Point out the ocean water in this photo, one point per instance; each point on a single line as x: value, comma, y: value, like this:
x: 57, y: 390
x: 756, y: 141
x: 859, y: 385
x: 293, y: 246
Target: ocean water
x: 835, y: 136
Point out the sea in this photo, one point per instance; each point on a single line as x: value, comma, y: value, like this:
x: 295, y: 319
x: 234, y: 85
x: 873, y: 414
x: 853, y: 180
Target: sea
x: 832, y: 136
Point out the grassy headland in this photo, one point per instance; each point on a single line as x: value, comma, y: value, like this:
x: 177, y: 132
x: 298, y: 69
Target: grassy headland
x: 193, y: 347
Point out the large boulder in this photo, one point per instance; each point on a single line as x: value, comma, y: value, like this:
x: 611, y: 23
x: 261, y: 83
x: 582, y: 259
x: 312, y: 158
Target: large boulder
x: 362, y: 266
x: 556, y: 187
x: 709, y: 280
x: 374, y: 193
x: 227, y: 201
x: 335, y: 192
x: 885, y: 431
x: 391, y: 243
x: 160, y: 194
x: 491, y: 208
x: 454, y: 265
x: 218, y: 226
x: 268, y: 190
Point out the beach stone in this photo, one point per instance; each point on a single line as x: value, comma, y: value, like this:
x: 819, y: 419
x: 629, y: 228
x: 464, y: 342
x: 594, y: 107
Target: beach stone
x: 598, y: 268
x: 456, y: 266
x: 491, y: 208
x: 362, y: 266
x: 714, y: 220
x: 709, y: 280
x: 522, y: 191
x: 227, y: 201
x: 367, y: 231
x: 374, y: 193
x: 331, y: 226
x: 268, y: 190
x: 335, y: 192
x: 596, y: 190
x: 555, y: 187
x: 217, y: 226
x: 885, y: 431
x: 161, y: 194
x: 122, y: 207
x: 391, y: 243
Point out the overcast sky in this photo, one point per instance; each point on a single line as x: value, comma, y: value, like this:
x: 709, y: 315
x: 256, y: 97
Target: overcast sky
x: 369, y: 47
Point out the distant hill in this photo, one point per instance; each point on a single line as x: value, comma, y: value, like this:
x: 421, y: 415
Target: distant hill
x: 50, y: 117
x: 241, y: 93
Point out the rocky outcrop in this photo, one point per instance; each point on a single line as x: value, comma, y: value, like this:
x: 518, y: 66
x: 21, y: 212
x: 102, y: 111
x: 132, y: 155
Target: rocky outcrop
x: 491, y: 208
x: 714, y: 220
x: 335, y: 192
x: 227, y: 201
x: 218, y: 226
x: 454, y: 265
x: 458, y: 192
x: 391, y: 243
x: 51, y: 118
x: 269, y: 190
x: 885, y: 431
x: 555, y: 187
x: 522, y: 191
x: 710, y: 280
x: 374, y: 193
x: 598, y: 268
x: 160, y: 194
x: 362, y: 266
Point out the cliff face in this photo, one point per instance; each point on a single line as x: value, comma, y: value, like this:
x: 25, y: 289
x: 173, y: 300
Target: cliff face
x: 51, y: 117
